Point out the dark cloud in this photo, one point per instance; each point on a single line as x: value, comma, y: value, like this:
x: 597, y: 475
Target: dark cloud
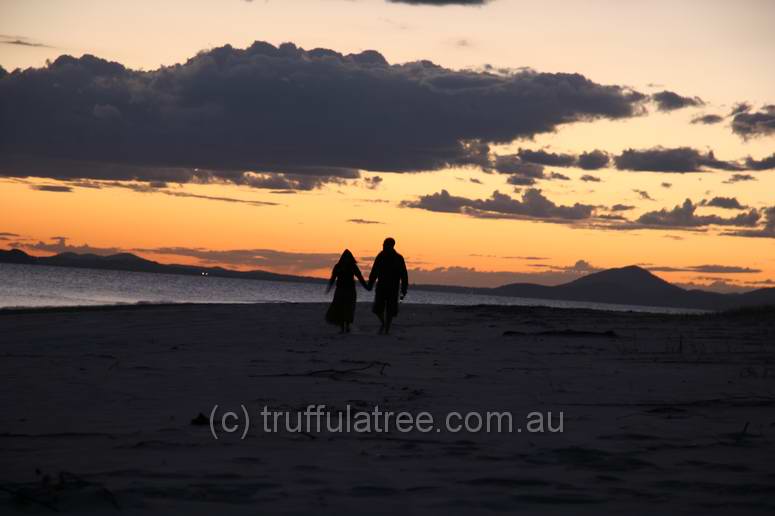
x: 736, y: 178
x: 60, y: 245
x: 159, y: 187
x: 8, y: 236
x: 435, y: 2
x: 282, y: 110
x: 252, y: 258
x: 685, y: 216
x: 467, y: 276
x: 766, y: 231
x: 521, y: 173
x: 728, y: 203
x: 519, y: 180
x: 740, y: 107
x: 593, y: 160
x: 524, y: 173
x: 190, y: 195
x: 644, y: 195
x: 708, y: 269
x: 302, y: 178
x: 364, y: 221
x: 748, y: 124
x: 513, y: 164
x: 612, y: 216
x: 622, y: 207
x: 723, y: 269
x: 372, y: 183
x: 590, y: 178
x: 669, y: 101
x: 546, y: 158
x: 52, y: 188
x: 532, y: 205
x: 667, y: 185
x: 20, y: 41
x: 707, y: 119
x: 440, y: 2
x: 680, y: 160
x: 290, y: 262
x: 295, y: 181
x: 439, y: 202
x: 761, y: 164
x: 717, y: 285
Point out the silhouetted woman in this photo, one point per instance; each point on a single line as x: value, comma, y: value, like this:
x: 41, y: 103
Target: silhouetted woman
x: 342, y: 309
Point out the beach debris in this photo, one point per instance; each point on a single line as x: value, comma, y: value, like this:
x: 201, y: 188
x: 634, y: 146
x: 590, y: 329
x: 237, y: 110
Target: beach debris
x: 335, y: 374
x: 562, y: 333
x: 50, y: 493
x: 200, y: 420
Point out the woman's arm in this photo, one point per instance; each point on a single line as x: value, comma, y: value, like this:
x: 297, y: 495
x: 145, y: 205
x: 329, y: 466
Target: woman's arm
x: 360, y: 278
x: 332, y: 280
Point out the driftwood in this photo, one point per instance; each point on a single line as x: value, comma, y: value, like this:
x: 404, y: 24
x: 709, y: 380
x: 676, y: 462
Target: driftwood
x: 333, y: 374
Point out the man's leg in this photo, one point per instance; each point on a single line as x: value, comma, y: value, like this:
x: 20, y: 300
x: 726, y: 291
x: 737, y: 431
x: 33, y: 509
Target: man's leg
x: 391, y: 309
x: 379, y: 309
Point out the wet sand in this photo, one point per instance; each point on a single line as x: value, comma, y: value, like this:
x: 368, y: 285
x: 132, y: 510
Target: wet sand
x: 661, y: 413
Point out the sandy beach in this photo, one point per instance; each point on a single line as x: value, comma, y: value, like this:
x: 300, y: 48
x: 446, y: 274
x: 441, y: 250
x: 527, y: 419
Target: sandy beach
x: 661, y: 413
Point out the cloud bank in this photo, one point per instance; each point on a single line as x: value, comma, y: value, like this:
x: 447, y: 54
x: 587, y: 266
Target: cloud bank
x: 284, y: 110
x: 749, y: 124
x: 679, y: 159
x: 532, y: 205
x: 670, y: 101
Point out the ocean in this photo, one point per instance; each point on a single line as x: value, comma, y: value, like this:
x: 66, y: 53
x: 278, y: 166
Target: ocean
x: 44, y: 286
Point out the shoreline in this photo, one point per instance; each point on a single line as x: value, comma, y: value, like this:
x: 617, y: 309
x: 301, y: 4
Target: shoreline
x: 146, y: 304
x: 428, y: 291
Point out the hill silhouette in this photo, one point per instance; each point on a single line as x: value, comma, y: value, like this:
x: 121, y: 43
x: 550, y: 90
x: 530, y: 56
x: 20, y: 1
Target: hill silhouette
x: 134, y: 263
x: 631, y: 285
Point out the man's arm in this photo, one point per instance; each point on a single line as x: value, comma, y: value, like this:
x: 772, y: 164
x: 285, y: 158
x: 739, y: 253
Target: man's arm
x: 375, y: 271
x: 404, y: 277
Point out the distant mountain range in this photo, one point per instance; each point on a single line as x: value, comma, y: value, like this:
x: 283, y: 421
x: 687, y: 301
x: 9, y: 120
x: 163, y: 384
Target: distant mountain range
x: 631, y: 285
x: 131, y: 262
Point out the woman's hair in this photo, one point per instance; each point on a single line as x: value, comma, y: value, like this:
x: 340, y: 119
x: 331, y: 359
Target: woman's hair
x: 347, y: 258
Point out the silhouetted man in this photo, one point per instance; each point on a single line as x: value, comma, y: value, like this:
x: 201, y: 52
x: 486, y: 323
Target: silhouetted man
x: 389, y: 271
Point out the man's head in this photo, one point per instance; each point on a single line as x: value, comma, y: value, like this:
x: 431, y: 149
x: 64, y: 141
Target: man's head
x: 389, y: 244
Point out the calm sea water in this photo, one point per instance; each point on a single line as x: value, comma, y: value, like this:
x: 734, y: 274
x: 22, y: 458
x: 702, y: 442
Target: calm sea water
x: 39, y: 286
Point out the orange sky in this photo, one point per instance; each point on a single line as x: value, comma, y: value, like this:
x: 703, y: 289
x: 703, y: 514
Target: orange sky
x: 720, y: 67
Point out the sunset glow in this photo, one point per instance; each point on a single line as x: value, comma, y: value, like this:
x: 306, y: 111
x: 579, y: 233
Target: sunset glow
x: 306, y: 217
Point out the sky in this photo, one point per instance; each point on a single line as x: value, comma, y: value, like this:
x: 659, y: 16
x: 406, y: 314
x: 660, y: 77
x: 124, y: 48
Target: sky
x: 497, y: 142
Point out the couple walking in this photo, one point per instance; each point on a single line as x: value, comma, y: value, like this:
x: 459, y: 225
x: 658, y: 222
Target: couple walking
x: 388, y: 272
